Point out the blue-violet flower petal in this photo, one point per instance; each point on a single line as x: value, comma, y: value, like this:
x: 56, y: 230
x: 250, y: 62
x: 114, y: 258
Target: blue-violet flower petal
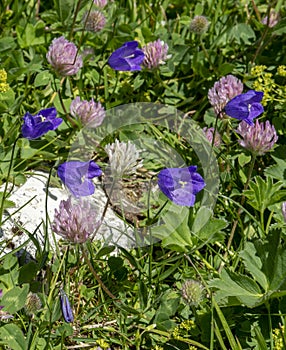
x: 77, y: 176
x: 245, y: 106
x: 127, y: 58
x: 181, y: 185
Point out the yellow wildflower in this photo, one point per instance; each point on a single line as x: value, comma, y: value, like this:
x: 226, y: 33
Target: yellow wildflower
x: 4, y: 87
x: 278, y: 338
x: 3, y: 75
x: 257, y: 70
x: 281, y: 70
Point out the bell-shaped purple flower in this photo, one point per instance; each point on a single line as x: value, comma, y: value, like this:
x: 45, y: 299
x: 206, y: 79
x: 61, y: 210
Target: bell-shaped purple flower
x: 181, y: 185
x: 37, y: 125
x: 127, y: 58
x: 66, y: 308
x: 77, y: 176
x: 245, y: 106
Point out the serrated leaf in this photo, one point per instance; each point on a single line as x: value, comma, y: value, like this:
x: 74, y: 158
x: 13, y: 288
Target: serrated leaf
x: 241, y: 287
x: 242, y: 33
x: 277, y: 171
x: 253, y: 264
x: 262, y: 193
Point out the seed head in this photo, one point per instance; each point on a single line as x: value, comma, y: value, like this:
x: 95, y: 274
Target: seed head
x: 199, y: 25
x: 192, y: 292
x: 94, y: 21
x: 33, y: 303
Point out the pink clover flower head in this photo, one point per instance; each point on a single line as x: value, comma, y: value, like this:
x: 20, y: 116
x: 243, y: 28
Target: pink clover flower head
x: 209, y: 132
x: 75, y: 220
x: 89, y: 113
x: 78, y: 175
x: 273, y: 19
x: 127, y: 58
x: 245, y: 106
x: 94, y: 21
x: 223, y: 91
x: 258, y: 138
x: 63, y: 57
x: 181, y: 185
x: 35, y: 126
x: 156, y: 53
x: 100, y: 3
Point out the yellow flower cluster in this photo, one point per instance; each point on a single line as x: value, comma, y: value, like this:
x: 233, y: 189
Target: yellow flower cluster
x: 281, y: 70
x: 183, y: 328
x: 278, y: 338
x: 265, y: 82
x: 102, y: 343
x: 157, y: 347
x: 3, y: 81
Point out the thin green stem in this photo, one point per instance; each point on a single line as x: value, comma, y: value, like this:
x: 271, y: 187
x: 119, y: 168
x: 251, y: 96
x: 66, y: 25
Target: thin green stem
x: 8, y: 175
x: 231, y: 236
x: 103, y: 286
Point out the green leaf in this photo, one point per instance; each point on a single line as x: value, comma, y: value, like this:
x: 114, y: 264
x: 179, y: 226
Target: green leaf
x: 242, y: 34
x: 12, y: 336
x: 43, y: 78
x: 211, y: 230
x: 7, y: 99
x: 28, y: 36
x: 263, y: 193
x: 236, y: 289
x: 253, y: 264
x: 14, y: 299
x: 64, y: 9
x: 7, y: 202
x: 243, y: 159
x: 277, y: 171
x: 175, y: 233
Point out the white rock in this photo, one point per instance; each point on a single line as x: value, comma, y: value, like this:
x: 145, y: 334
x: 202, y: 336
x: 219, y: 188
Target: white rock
x: 30, y: 215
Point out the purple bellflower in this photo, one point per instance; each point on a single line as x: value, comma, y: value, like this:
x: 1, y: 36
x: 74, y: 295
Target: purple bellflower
x: 127, y: 58
x: 37, y: 125
x: 181, y: 185
x: 245, y: 106
x: 77, y: 176
x: 65, y: 306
